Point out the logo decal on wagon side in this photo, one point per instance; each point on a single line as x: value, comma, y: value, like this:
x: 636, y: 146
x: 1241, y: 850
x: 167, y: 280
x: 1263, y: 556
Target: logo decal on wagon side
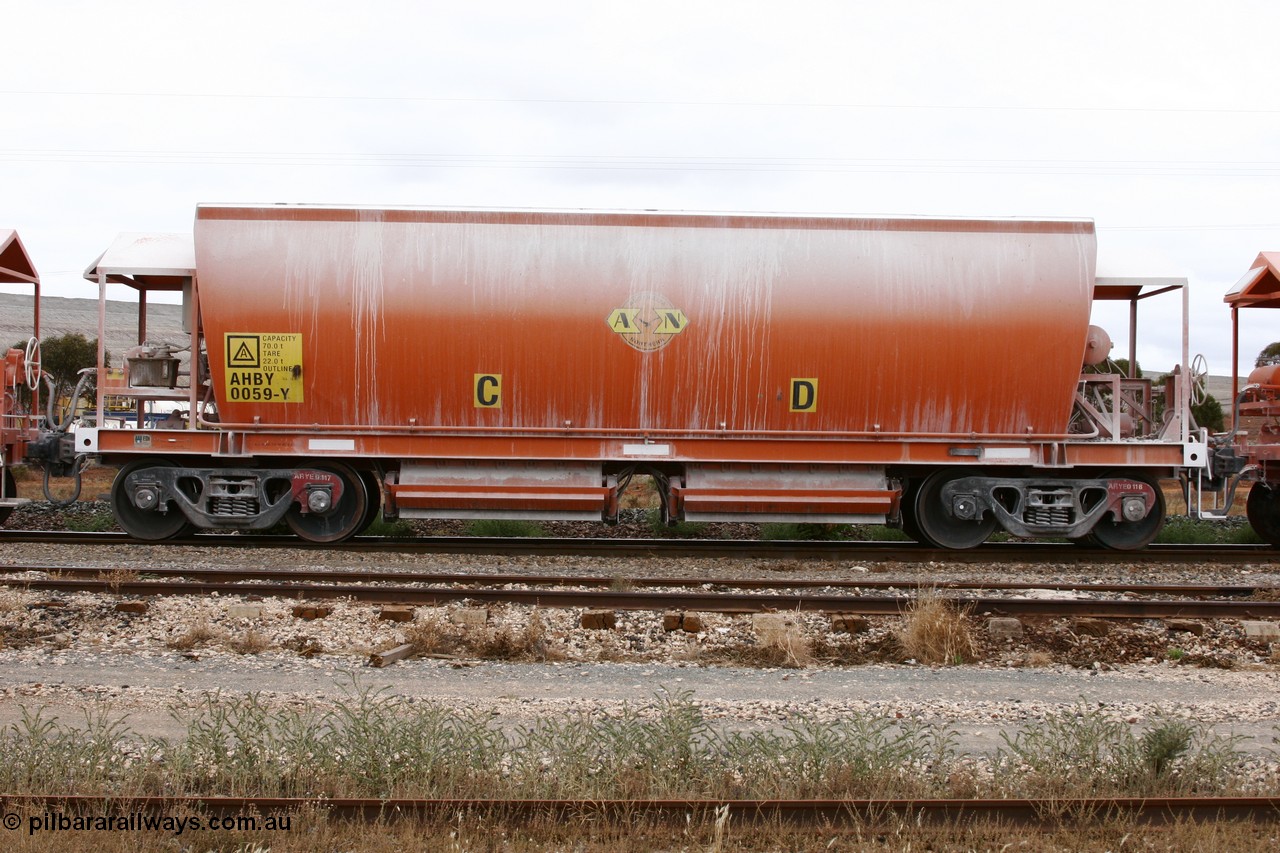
x: 263, y: 367
x: 648, y: 321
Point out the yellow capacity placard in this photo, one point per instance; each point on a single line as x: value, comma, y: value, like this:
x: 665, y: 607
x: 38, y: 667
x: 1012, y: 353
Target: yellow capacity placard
x: 263, y: 367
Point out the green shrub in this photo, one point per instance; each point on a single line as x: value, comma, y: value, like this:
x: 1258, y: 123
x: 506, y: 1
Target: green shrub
x: 1090, y: 753
x: 399, y: 529
x: 95, y: 522
x: 1181, y: 530
x: 804, y: 531
x: 1243, y: 534
x: 1184, y: 530
x: 879, y: 533
x: 679, y: 530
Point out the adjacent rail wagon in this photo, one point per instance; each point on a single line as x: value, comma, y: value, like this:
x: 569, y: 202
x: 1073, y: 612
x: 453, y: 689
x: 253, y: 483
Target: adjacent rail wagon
x: 940, y: 375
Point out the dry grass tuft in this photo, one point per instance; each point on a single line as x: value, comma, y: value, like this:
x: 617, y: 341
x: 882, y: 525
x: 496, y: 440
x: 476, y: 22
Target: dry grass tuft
x: 12, y: 600
x: 115, y: 578
x: 197, y: 635
x: 435, y: 636
x: 1038, y: 659
x: 936, y: 631
x: 780, y: 641
x: 306, y: 647
x: 536, y: 641
x: 251, y: 642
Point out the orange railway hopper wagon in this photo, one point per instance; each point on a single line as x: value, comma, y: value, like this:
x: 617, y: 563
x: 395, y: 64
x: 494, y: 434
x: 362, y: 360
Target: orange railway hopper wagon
x: 460, y: 363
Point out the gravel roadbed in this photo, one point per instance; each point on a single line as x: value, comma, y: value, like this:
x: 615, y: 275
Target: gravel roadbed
x: 69, y: 652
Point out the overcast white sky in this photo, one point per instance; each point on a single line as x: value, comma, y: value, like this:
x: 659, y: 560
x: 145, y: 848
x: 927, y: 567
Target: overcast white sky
x: 1159, y: 120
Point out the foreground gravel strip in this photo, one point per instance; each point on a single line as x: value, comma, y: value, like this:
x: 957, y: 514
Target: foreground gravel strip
x: 981, y: 703
x: 69, y: 653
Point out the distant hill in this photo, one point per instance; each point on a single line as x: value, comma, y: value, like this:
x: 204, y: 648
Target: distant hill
x: 59, y: 315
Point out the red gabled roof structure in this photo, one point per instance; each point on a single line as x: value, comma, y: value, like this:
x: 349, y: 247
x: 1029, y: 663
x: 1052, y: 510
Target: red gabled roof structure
x: 16, y: 268
x: 15, y: 263
x: 1260, y: 286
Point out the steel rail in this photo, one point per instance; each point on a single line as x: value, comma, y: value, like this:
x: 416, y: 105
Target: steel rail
x: 710, y: 602
x: 1030, y: 552
x: 1053, y: 810
x: 481, y: 577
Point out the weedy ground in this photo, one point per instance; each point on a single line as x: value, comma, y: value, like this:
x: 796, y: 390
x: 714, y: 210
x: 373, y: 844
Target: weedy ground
x: 373, y: 745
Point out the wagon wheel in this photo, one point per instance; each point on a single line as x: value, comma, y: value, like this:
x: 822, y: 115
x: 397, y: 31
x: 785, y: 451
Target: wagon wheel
x: 937, y: 525
x: 151, y: 524
x: 374, y: 497
x: 1263, y: 510
x: 344, y: 519
x: 1130, y: 535
x: 907, y: 510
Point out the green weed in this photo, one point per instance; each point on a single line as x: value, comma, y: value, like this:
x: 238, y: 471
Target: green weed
x: 399, y: 529
x: 679, y: 530
x: 782, y: 531
x: 507, y: 528
x: 1180, y: 530
x: 1090, y: 753
x: 1184, y: 530
x: 878, y: 533
x: 96, y: 522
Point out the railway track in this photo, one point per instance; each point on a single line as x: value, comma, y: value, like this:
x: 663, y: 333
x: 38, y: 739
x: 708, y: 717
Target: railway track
x: 907, y: 552
x: 371, y: 576
x: 828, y: 812
x: 718, y: 601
